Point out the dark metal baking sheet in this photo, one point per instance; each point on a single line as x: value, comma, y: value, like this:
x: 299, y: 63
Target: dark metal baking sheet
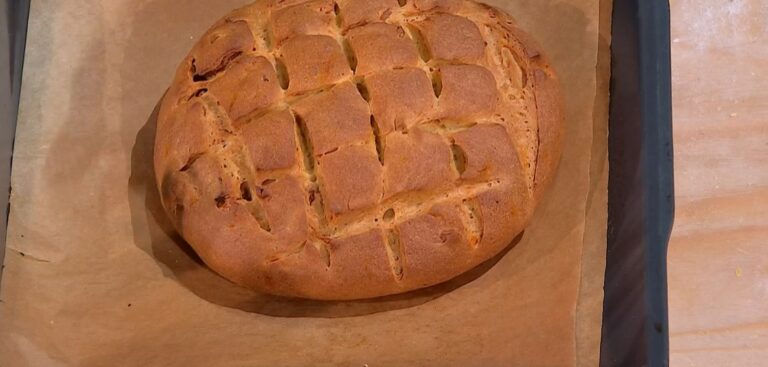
x: 641, y: 205
x: 13, y: 35
x: 640, y: 187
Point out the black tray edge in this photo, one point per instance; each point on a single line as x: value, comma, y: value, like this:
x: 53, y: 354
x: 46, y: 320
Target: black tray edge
x: 640, y: 194
x: 14, y: 16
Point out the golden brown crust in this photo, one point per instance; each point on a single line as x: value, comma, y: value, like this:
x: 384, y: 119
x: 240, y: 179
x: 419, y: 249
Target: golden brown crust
x: 356, y: 150
x: 549, y: 111
x: 548, y: 101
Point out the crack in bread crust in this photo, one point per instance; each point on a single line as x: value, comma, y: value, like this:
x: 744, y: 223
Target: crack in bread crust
x: 337, y: 123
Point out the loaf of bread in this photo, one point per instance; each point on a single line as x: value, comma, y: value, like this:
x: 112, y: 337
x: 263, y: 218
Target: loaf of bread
x: 356, y: 148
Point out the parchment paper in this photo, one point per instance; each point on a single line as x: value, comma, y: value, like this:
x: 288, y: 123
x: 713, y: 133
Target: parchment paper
x: 94, y: 276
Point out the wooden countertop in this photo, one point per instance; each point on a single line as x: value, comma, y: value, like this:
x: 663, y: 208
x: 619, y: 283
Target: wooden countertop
x: 718, y: 255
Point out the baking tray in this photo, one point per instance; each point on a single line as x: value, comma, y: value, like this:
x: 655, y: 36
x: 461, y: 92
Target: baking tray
x: 640, y: 187
x: 640, y: 204
x: 13, y: 36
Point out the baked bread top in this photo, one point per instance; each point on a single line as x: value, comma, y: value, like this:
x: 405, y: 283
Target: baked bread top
x: 356, y: 148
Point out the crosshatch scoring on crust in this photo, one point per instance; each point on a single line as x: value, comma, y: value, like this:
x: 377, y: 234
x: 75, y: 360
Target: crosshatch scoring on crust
x: 356, y: 148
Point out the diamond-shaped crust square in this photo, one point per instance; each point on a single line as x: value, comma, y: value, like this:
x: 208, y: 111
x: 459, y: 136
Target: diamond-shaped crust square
x: 285, y: 208
x: 356, y: 148
x: 485, y: 149
x: 312, y: 62
x: 308, y: 18
x: 400, y: 98
x: 452, y: 38
x: 438, y: 236
x: 271, y: 140
x: 468, y: 92
x: 381, y: 46
x: 350, y: 179
x: 252, y: 84
x: 219, y: 46
x: 416, y: 161
x: 360, y: 255
x: 190, y: 132
x: 355, y: 12
x: 335, y: 118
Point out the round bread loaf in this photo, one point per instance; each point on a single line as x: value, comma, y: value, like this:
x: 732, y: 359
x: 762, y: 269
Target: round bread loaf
x: 356, y: 148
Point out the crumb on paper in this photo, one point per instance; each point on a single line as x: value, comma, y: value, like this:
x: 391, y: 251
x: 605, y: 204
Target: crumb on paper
x: 738, y: 272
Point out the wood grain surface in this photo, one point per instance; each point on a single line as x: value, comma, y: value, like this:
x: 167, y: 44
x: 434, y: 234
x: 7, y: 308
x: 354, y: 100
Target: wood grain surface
x: 718, y: 255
